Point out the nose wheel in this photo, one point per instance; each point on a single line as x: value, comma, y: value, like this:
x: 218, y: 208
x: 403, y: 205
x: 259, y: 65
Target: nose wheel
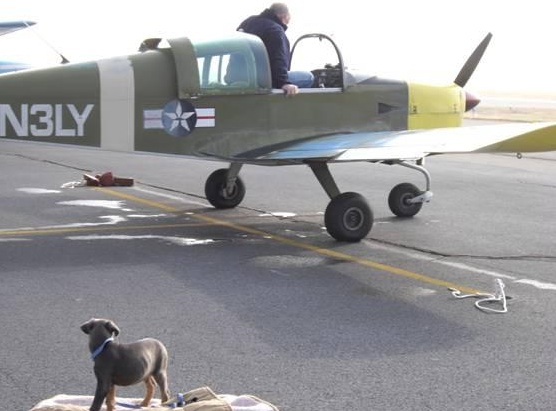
x: 401, y: 200
x: 223, y: 189
x: 405, y: 199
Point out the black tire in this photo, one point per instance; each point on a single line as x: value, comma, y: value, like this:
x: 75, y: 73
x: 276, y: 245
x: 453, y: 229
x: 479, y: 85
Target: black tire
x: 348, y: 217
x: 399, y: 197
x: 215, y: 190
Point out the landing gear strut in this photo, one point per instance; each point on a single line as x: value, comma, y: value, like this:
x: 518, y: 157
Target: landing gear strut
x: 348, y: 216
x: 405, y: 199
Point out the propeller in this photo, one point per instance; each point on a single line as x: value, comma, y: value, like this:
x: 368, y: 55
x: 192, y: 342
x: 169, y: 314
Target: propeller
x: 472, y: 62
x: 467, y: 71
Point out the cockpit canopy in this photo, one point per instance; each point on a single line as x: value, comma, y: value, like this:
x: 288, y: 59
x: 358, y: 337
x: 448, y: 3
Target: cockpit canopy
x: 239, y: 64
x: 240, y: 61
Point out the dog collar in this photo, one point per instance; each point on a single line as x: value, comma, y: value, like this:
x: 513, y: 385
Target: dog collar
x: 101, y: 348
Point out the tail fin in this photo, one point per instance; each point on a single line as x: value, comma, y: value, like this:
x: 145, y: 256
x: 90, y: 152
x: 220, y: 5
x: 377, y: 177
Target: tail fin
x: 7, y: 27
x: 11, y: 26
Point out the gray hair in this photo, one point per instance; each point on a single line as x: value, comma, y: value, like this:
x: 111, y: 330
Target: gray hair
x: 279, y: 8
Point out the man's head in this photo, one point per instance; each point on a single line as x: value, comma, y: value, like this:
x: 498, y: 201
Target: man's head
x: 282, y: 12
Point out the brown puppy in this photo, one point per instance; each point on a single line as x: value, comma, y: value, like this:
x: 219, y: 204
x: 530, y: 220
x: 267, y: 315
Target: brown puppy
x: 124, y: 364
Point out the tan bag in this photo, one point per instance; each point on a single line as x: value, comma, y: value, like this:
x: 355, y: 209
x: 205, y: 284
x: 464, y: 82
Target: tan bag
x: 205, y: 399
x: 199, y: 394
x: 214, y: 404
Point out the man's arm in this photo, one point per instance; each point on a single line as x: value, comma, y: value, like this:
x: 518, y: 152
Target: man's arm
x: 279, y: 56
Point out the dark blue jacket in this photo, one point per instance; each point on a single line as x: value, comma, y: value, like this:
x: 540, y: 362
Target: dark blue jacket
x: 273, y: 34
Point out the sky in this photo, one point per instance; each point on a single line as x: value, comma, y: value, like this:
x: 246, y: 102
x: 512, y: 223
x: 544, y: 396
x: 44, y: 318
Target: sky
x: 425, y: 40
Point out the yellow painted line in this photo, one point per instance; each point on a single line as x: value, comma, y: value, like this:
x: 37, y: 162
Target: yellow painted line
x: 341, y: 256
x: 298, y: 244
x: 70, y: 230
x: 135, y: 199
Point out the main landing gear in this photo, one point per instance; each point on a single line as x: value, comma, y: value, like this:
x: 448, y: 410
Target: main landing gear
x: 224, y: 188
x: 348, y: 216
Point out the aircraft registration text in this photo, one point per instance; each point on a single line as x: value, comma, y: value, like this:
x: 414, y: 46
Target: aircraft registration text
x: 44, y: 120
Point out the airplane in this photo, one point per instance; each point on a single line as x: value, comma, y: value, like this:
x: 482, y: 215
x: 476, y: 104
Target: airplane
x: 9, y: 27
x: 177, y: 97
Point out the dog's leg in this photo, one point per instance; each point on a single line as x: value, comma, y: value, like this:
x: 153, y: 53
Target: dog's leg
x: 100, y: 394
x: 111, y: 399
x: 149, y: 391
x: 162, y: 381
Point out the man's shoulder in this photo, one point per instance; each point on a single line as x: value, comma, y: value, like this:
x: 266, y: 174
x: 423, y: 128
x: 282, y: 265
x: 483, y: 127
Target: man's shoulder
x: 258, y: 22
x: 250, y: 19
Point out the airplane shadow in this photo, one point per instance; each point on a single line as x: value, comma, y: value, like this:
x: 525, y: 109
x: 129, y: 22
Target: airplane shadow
x: 302, y: 306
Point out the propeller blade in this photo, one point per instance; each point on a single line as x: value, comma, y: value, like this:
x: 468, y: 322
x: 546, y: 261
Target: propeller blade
x: 472, y: 62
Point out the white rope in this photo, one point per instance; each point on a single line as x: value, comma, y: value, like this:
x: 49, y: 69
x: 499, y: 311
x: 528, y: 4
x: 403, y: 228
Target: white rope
x: 498, y: 296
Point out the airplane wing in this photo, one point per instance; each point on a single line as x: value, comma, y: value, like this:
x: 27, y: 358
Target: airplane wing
x: 9, y: 26
x: 409, y: 144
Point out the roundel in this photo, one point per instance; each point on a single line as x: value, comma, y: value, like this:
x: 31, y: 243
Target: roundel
x: 179, y: 118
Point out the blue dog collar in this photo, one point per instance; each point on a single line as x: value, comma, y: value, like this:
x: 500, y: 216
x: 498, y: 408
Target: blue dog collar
x: 100, y: 349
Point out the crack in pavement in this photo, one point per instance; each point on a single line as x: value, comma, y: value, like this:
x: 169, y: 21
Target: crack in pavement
x: 523, y: 257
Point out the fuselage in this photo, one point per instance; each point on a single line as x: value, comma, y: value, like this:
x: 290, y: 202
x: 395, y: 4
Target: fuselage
x: 177, y: 100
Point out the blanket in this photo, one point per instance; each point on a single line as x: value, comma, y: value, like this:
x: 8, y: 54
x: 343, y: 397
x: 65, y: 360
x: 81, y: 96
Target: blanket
x: 200, y: 399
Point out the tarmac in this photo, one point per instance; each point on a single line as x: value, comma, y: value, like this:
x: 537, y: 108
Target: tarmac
x: 260, y: 300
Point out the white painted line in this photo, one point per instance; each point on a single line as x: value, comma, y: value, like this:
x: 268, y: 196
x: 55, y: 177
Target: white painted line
x: 423, y: 292
x: 38, y: 191
x: 110, y: 204
x: 464, y: 267
x: 413, y: 254
x: 171, y: 197
x: 110, y: 220
x: 146, y: 215
x: 279, y: 214
x: 425, y: 257
x: 538, y: 284
x: 173, y: 240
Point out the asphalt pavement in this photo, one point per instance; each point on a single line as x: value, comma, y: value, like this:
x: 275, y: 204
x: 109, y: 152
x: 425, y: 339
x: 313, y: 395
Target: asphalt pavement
x: 260, y: 300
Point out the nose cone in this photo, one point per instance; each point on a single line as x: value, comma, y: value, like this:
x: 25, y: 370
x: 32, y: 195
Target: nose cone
x: 471, y: 101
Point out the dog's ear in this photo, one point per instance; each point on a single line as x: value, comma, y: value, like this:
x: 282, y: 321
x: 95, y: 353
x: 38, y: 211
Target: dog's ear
x: 88, y: 326
x: 112, y: 328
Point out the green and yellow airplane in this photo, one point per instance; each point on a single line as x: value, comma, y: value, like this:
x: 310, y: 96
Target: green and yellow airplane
x: 178, y: 97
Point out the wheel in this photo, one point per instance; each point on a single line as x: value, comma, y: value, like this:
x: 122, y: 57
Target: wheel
x: 348, y: 217
x: 215, y: 190
x: 399, y: 197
